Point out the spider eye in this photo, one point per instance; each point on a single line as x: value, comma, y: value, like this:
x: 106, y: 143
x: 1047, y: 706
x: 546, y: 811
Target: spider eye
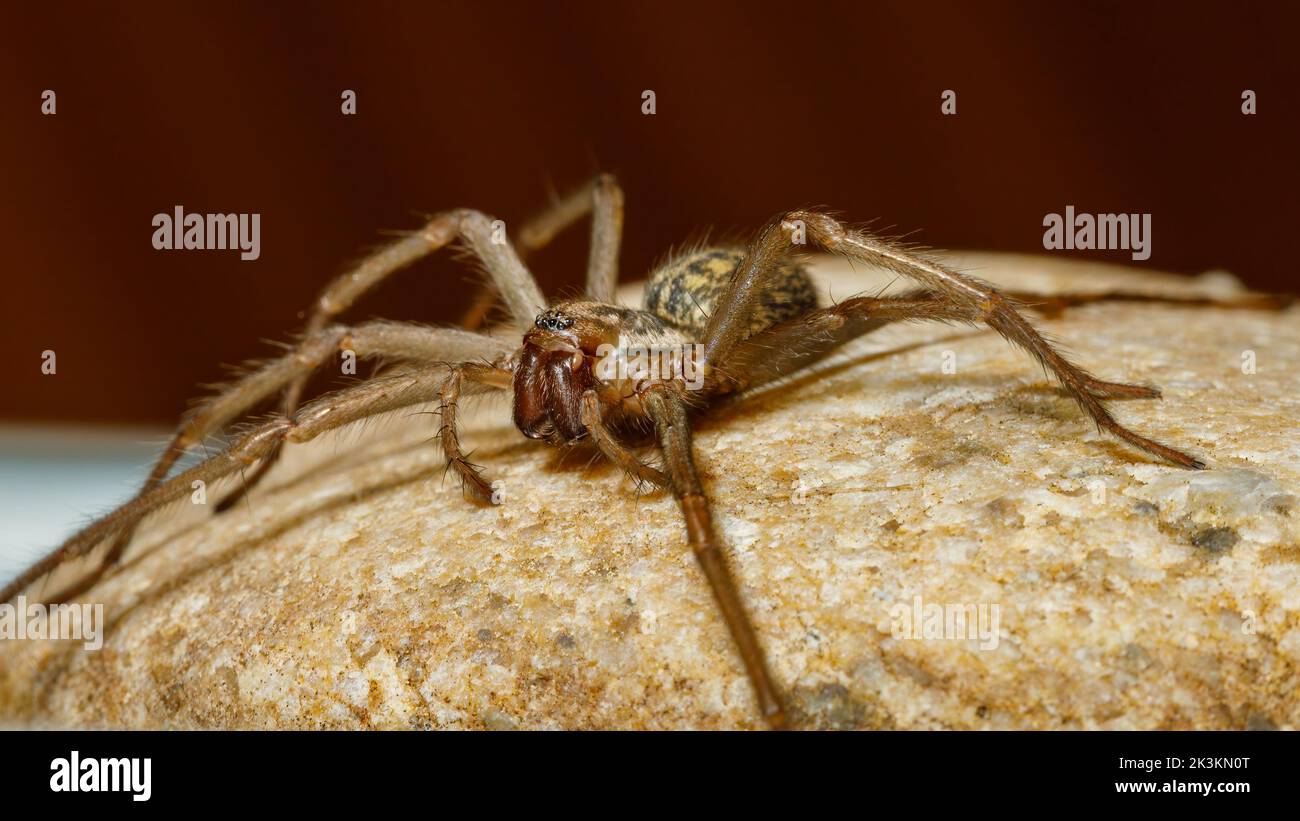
x: 553, y: 321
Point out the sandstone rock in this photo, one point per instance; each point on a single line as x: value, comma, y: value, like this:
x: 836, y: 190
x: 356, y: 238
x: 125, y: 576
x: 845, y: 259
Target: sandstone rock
x: 359, y: 590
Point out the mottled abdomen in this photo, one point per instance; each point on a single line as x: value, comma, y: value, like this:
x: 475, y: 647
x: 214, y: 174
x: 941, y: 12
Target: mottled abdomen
x: 685, y: 291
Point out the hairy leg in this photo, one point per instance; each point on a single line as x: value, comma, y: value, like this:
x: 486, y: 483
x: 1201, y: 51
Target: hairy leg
x: 507, y: 272
x: 503, y: 265
x: 388, y: 340
x: 612, y: 449
x: 974, y: 299
x: 372, y: 398
x: 603, y: 199
x: 789, y: 346
x: 673, y: 427
x: 472, y: 480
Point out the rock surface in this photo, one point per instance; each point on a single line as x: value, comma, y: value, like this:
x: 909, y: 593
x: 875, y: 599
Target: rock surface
x: 359, y: 590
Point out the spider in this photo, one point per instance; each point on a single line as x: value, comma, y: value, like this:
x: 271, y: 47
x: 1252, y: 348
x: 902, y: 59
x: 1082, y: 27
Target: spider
x: 743, y: 317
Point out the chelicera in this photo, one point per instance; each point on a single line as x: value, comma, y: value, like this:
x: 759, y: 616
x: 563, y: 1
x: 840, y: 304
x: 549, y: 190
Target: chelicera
x: 742, y: 317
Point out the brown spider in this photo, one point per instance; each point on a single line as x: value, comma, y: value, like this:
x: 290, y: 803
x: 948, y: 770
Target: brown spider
x: 738, y: 318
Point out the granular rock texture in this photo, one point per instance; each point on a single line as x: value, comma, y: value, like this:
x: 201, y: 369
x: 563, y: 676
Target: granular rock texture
x: 929, y: 534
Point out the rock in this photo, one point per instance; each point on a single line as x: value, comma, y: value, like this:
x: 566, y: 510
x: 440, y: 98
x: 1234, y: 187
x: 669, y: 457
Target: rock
x: 360, y: 590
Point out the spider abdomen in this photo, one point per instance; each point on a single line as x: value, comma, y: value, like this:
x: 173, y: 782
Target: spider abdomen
x: 685, y: 290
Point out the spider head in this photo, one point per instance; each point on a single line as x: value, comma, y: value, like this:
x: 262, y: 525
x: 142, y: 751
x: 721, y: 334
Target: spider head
x: 553, y: 370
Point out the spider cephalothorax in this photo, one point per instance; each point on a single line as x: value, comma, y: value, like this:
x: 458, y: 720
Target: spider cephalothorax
x: 715, y: 321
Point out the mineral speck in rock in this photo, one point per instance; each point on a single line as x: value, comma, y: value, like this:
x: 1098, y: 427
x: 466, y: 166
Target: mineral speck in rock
x: 1259, y: 721
x: 1134, y: 658
x: 495, y: 720
x: 833, y: 707
x: 1215, y: 541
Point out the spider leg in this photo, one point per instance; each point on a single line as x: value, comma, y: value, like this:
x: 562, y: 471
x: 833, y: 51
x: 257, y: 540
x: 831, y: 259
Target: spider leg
x: 970, y: 298
x: 673, y: 428
x: 390, y: 340
x: 246, y: 450
x: 507, y: 272
x: 612, y: 449
x: 332, y: 411
x: 603, y: 199
x: 336, y: 410
x: 789, y: 346
x: 471, y: 477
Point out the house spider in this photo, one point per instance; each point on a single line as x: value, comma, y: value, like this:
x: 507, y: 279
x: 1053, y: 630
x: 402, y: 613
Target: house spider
x: 750, y: 314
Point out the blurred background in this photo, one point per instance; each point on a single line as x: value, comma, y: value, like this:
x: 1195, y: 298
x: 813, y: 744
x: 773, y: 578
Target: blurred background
x: 235, y: 107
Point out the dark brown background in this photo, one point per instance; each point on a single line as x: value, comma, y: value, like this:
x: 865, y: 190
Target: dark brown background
x: 234, y: 107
